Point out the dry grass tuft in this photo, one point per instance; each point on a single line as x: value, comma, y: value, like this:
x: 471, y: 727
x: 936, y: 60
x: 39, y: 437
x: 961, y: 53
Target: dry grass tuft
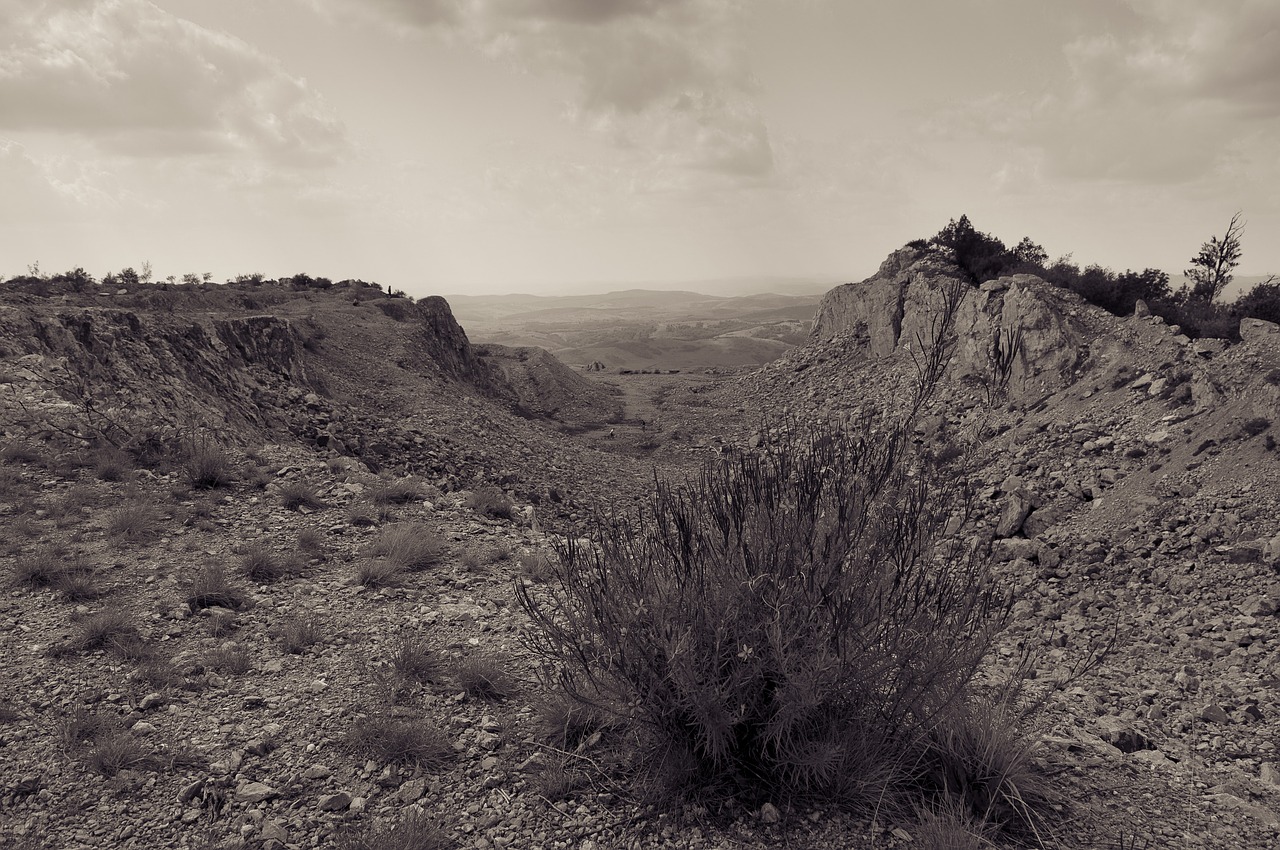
x: 412, y: 546
x: 20, y: 451
x: 565, y: 722
x: 207, y: 465
x: 207, y: 586
x: 536, y: 566
x: 980, y: 763
x: 260, y: 564
x: 414, y: 831
x: 400, y: 491
x: 405, y: 742
x: 311, y: 541
x: 135, y: 521
x: 297, y: 634
x: 484, y: 677
x: 295, y: 495
x: 377, y: 573
x: 414, y: 660
x: 227, y: 659
x: 112, y: 631
x: 112, y: 464
x: 491, y: 502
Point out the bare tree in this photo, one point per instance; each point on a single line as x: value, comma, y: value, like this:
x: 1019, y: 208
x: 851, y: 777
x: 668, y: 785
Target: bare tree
x: 1211, y: 269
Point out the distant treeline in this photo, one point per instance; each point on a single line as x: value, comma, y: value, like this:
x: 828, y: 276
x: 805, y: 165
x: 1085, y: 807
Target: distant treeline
x: 984, y: 257
x: 80, y: 282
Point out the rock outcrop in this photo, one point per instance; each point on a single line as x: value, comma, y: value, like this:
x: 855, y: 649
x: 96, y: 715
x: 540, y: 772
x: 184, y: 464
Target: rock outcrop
x: 115, y: 370
x: 544, y: 386
x: 1022, y: 316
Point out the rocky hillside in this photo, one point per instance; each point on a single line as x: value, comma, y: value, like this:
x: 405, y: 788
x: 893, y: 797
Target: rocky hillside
x: 259, y: 663
x: 1130, y: 478
x: 392, y: 383
x: 546, y: 387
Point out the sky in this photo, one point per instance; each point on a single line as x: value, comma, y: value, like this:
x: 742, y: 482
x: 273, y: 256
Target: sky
x: 490, y: 146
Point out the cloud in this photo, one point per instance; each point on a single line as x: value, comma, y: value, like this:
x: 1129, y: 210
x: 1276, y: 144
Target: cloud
x: 665, y: 78
x: 28, y: 192
x: 1195, y: 88
x: 137, y: 80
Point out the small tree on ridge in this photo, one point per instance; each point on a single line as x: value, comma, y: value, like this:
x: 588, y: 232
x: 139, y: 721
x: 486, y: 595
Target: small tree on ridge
x: 1211, y: 269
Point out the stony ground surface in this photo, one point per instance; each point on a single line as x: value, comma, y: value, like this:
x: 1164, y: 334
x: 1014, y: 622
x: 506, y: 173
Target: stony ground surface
x: 1129, y: 513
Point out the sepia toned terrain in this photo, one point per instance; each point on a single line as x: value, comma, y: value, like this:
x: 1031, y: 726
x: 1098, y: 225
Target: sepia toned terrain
x: 266, y: 551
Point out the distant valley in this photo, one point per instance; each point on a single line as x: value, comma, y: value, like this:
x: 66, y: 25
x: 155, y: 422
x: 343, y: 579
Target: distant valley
x: 640, y: 329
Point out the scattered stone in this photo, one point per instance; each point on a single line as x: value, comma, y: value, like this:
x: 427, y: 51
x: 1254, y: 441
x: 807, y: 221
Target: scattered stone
x: 334, y: 802
x: 1214, y: 713
x: 274, y: 830
x: 255, y: 792
x: 1270, y: 773
x: 151, y: 701
x: 1004, y: 551
x: 1017, y: 506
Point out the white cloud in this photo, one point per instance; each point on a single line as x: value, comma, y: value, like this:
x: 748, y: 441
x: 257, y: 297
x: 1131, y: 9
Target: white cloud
x: 1191, y: 92
x: 665, y: 77
x: 137, y: 80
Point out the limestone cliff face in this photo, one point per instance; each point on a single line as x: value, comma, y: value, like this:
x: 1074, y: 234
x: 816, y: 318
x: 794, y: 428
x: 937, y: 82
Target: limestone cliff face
x: 138, y: 372
x: 892, y: 311
x: 445, y: 342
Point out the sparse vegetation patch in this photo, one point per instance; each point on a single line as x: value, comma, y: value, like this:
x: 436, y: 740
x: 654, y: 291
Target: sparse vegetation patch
x: 207, y: 586
x: 404, y: 742
x: 412, y: 546
x: 296, y: 495
x: 490, y: 502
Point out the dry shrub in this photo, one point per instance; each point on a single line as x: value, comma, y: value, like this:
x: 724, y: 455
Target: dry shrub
x: 412, y: 546
x: 491, y: 502
x: 400, y: 491
x: 379, y: 573
x: 297, y: 634
x: 791, y: 622
x: 135, y: 521
x: 484, y: 676
x: 406, y: 742
x: 413, y: 831
x: 260, y: 564
x: 414, y: 660
x: 207, y: 586
x: 295, y: 495
x: 207, y: 465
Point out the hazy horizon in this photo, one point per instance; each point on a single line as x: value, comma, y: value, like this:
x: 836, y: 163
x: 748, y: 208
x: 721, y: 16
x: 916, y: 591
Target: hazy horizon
x: 460, y: 146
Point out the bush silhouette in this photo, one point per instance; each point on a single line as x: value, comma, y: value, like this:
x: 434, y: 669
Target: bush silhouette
x: 790, y: 621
